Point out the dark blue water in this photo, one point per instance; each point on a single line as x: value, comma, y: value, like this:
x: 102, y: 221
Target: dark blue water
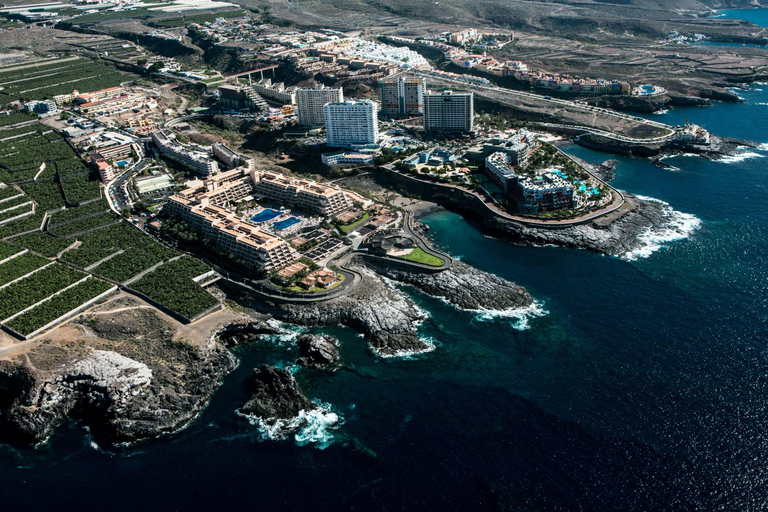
x: 644, y: 387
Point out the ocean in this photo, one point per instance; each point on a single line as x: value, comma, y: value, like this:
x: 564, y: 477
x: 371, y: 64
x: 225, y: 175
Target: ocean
x: 757, y: 16
x: 641, y: 383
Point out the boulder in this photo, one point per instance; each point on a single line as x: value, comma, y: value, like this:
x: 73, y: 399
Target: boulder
x: 318, y: 350
x: 275, y: 395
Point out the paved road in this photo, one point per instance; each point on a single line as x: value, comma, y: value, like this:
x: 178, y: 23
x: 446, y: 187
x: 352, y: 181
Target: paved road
x: 115, y: 187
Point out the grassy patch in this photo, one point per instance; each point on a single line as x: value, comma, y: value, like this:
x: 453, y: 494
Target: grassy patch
x: 419, y: 256
x: 351, y: 227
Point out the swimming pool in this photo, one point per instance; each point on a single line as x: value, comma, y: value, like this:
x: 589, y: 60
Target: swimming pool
x: 290, y: 221
x: 122, y: 163
x: 265, y: 215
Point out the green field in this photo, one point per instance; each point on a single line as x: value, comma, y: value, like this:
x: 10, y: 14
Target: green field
x: 50, y: 79
x: 419, y: 256
x: 172, y: 285
x: 58, y: 306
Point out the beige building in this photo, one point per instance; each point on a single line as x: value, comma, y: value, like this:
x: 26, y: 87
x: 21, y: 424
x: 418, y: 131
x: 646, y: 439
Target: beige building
x: 243, y: 241
x: 310, y: 101
x: 306, y: 195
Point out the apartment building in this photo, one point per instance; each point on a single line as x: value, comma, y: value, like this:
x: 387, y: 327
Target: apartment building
x: 223, y: 189
x: 87, y: 97
x: 238, y: 97
x: 498, y: 167
x: 344, y: 158
x: 402, y: 96
x: 102, y: 167
x: 277, y: 91
x: 351, y: 123
x: 547, y: 190
x: 116, y: 151
x: 199, y: 162
x: 230, y: 158
x: 245, y: 242
x: 519, y: 147
x: 310, y: 101
x: 41, y: 107
x: 464, y: 36
x: 447, y: 112
x: 303, y: 194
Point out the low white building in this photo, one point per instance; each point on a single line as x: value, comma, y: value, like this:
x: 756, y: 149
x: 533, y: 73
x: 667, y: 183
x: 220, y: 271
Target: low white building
x: 344, y: 158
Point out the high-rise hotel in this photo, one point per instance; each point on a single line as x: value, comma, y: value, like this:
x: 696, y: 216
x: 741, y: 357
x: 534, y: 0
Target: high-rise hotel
x: 402, y: 96
x: 351, y: 123
x: 310, y: 101
x: 448, y: 111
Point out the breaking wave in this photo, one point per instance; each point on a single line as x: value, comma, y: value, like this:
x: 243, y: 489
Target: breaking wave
x: 519, y: 317
x: 678, y: 226
x: 746, y: 155
x: 308, y: 427
x: 287, y: 335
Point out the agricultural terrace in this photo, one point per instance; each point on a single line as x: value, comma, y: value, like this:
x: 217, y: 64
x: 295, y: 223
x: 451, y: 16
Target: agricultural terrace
x: 36, y: 288
x: 104, y: 248
x: 58, y: 306
x: 173, y: 285
x: 15, y: 206
x: 6, y: 251
x: 49, y: 79
x: 45, y: 167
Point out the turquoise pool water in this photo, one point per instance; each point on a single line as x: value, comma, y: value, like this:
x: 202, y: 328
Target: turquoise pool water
x: 265, y: 215
x: 290, y: 221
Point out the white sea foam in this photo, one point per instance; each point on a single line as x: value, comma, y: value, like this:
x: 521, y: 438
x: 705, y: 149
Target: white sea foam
x: 287, y: 335
x: 520, y: 317
x: 421, y: 312
x: 308, y: 427
x: 678, y: 226
x: 285, y: 327
x: 763, y: 146
x: 678, y: 155
x: 746, y: 155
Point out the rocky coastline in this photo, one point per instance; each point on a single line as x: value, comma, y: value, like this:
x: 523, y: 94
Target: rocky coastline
x: 386, y: 316
x: 720, y: 147
x: 619, y: 237
x: 129, y: 382
x: 463, y: 286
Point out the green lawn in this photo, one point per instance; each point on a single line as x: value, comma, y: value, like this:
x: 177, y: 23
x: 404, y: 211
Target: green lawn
x: 419, y: 256
x: 351, y: 227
